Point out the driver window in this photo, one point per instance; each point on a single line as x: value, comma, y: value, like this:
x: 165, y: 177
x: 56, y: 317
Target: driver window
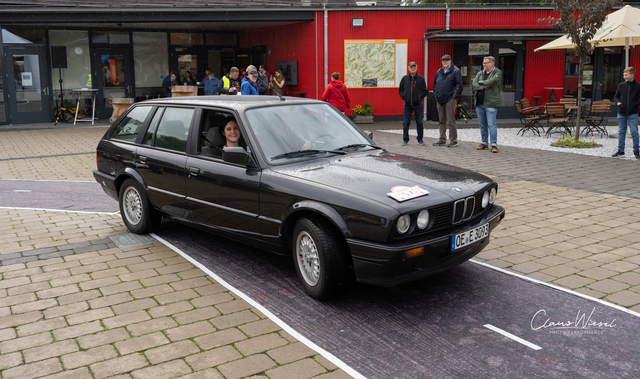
x: 211, y: 133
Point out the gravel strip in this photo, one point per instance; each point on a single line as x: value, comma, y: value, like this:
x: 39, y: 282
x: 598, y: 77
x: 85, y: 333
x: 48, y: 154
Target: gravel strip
x: 508, y: 137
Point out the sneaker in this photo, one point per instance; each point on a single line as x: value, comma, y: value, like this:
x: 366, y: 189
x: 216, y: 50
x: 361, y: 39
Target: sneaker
x: 618, y: 153
x: 405, y: 143
x: 439, y: 144
x: 637, y: 154
x: 454, y: 144
x: 494, y: 149
x: 482, y: 147
x: 421, y: 143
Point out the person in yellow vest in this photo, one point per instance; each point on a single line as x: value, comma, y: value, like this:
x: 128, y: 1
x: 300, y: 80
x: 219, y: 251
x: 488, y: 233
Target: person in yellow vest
x: 229, y: 84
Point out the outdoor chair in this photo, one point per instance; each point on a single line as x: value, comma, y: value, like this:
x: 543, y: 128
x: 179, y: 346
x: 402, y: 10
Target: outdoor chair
x: 529, y: 117
x: 597, y: 117
x: 558, y: 121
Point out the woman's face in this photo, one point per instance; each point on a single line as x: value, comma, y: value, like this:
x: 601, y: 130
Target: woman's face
x: 232, y: 132
x: 188, y: 75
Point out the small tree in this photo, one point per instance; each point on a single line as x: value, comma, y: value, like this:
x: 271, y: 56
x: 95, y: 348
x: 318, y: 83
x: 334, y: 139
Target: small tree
x: 580, y: 19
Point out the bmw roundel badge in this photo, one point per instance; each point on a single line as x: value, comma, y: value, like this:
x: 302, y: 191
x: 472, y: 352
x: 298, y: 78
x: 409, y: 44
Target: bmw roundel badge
x: 457, y: 189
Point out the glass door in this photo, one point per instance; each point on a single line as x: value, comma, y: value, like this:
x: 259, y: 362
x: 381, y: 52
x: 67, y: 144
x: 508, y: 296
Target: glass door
x: 113, y: 70
x: 28, y: 92
x: 192, y: 59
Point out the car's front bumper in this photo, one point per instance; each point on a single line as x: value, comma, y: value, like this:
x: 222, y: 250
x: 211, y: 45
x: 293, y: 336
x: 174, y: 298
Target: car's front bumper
x: 387, y: 265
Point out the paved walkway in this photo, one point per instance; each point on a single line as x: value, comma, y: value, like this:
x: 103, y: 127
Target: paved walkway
x: 75, y: 305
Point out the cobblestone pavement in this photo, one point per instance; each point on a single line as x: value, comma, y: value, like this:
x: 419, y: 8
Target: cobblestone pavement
x: 74, y: 305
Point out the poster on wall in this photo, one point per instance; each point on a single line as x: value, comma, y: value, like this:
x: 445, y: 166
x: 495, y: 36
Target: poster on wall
x: 374, y: 63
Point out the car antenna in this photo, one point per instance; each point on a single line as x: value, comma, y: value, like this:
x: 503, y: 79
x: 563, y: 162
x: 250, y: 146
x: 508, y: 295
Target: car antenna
x: 280, y: 96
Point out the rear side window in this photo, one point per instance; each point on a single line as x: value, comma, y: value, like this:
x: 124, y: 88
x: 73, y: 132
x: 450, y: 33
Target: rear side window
x: 131, y: 124
x: 173, y: 129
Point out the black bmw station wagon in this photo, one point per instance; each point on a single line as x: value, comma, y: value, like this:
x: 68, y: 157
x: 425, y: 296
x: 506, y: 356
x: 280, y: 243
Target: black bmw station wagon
x: 294, y: 176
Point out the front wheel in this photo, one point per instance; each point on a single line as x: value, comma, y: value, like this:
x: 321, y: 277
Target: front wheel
x: 137, y: 213
x: 318, y: 258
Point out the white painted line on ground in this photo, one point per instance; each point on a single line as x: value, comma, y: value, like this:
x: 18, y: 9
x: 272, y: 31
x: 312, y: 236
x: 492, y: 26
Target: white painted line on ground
x: 60, y: 210
x: 21, y: 190
x: 515, y: 338
x: 332, y: 358
x: 603, y: 302
x: 49, y: 180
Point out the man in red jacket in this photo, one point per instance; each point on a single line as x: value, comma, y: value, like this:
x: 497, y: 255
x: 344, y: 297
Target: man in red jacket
x: 336, y: 93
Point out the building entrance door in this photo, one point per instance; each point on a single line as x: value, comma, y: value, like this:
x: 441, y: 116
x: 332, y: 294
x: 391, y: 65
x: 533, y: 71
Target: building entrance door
x: 27, y: 86
x: 510, y: 60
x: 113, y: 72
x: 192, y: 59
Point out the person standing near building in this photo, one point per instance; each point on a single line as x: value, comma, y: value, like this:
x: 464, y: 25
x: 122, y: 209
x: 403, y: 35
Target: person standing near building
x: 263, y: 80
x: 626, y: 98
x: 447, y: 88
x: 229, y: 84
x: 249, y: 83
x: 170, y: 81
x: 211, y: 84
x: 337, y: 94
x: 412, y: 90
x: 486, y: 85
x: 277, y: 82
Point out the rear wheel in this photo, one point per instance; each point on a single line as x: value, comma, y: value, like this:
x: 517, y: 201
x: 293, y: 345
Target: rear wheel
x: 137, y: 213
x: 319, y: 259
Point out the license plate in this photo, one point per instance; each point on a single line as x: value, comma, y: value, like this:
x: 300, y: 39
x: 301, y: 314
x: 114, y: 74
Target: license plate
x: 470, y: 236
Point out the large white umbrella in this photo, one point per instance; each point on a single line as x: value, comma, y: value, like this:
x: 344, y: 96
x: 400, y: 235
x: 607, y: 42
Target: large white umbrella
x: 621, y: 28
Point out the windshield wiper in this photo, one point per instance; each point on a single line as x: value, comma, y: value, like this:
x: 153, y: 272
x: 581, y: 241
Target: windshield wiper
x: 305, y: 152
x: 356, y: 145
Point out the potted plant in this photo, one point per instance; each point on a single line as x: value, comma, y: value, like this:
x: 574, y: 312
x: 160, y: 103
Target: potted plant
x: 363, y: 114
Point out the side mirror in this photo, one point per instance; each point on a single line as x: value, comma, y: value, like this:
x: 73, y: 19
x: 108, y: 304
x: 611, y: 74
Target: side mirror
x: 237, y: 155
x: 369, y: 134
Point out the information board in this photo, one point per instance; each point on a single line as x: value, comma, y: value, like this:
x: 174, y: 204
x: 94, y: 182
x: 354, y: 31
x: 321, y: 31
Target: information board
x: 373, y: 63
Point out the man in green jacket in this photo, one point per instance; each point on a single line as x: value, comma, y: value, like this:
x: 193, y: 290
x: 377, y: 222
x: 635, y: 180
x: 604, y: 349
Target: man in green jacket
x: 486, y: 85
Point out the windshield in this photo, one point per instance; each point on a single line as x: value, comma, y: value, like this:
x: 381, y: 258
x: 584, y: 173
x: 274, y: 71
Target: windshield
x: 301, y: 131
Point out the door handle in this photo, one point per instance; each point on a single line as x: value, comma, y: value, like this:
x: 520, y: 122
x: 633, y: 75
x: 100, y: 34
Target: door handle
x: 142, y: 158
x: 194, y: 171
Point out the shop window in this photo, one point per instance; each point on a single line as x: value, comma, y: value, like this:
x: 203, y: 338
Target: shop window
x: 111, y: 38
x: 572, y: 73
x: 223, y: 39
x: 15, y: 36
x: 151, y: 63
x: 78, y: 71
x: 192, y: 39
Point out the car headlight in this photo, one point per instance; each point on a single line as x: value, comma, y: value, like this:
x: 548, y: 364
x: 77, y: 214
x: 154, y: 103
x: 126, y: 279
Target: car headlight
x: 492, y: 195
x: 403, y: 224
x: 485, y: 199
x: 423, y: 219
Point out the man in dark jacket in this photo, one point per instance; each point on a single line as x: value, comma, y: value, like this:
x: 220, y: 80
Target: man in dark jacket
x: 447, y: 88
x: 412, y: 90
x: 627, y: 100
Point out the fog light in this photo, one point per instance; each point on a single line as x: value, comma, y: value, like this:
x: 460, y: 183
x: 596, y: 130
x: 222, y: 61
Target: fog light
x: 403, y: 224
x: 414, y: 252
x: 492, y: 195
x: 423, y: 219
x: 485, y: 199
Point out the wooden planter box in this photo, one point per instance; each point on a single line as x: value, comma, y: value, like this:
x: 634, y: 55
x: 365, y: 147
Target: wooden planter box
x: 363, y: 119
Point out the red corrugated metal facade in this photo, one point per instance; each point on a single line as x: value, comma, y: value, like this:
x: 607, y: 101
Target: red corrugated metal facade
x: 304, y: 43
x: 542, y: 69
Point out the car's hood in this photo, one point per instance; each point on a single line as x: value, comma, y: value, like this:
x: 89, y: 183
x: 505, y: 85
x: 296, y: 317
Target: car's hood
x: 375, y: 174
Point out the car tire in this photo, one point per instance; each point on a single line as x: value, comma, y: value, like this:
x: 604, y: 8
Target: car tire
x: 319, y: 259
x: 136, y: 211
